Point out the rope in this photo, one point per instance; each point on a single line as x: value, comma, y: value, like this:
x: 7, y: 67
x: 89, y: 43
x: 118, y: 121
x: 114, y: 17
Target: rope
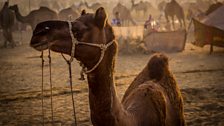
x: 103, y: 48
x: 73, y: 102
x: 73, y: 42
x: 42, y: 87
x: 52, y: 113
x: 71, y: 87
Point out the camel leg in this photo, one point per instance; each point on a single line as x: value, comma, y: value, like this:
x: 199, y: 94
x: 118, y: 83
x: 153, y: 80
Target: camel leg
x: 10, y: 38
x: 180, y: 22
x: 5, y: 38
x: 167, y: 19
x: 211, y: 48
x: 184, y: 24
x: 168, y: 22
x: 173, y: 23
x: 133, y: 22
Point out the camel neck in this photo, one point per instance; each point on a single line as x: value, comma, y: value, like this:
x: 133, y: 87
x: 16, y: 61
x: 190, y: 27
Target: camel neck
x: 102, y: 95
x: 19, y: 17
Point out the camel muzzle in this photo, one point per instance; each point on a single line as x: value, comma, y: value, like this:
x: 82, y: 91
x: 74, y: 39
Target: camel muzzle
x: 43, y: 45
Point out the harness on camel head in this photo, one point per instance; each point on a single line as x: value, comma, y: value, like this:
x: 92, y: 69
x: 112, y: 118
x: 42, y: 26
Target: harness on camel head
x: 75, y: 42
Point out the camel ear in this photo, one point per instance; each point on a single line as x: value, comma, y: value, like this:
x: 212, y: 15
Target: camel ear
x: 83, y: 12
x: 100, y: 17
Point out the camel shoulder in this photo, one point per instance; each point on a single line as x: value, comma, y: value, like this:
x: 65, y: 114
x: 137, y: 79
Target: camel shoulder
x: 145, y: 91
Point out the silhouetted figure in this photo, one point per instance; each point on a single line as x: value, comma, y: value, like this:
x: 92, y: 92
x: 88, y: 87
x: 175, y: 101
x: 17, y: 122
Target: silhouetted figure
x: 7, y: 22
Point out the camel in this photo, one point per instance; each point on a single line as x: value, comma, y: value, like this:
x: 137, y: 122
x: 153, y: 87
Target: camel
x: 68, y: 14
x: 153, y: 99
x: 94, y: 6
x: 161, y: 6
x: 7, y: 21
x: 174, y: 9
x: 125, y: 14
x: 141, y: 6
x: 35, y: 16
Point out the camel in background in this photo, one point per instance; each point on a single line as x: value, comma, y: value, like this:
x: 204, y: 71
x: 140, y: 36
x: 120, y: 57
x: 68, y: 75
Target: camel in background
x: 161, y: 6
x: 35, y: 16
x: 173, y: 9
x: 68, y: 14
x: 141, y: 7
x: 153, y: 99
x: 93, y: 7
x: 7, y: 20
x: 125, y: 14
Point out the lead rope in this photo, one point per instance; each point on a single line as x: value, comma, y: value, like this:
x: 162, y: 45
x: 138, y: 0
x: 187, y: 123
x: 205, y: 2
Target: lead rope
x: 42, y: 86
x: 52, y: 113
x: 70, y: 69
x: 71, y: 87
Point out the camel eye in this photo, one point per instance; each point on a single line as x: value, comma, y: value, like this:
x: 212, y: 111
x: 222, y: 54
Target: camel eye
x: 47, y: 28
x: 42, y: 31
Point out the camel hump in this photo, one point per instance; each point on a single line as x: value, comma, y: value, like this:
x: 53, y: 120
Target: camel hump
x: 147, y: 103
x: 157, y: 66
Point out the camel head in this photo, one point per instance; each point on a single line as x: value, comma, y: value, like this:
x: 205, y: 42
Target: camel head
x: 88, y: 28
x: 6, y: 4
x: 14, y: 7
x: 132, y: 2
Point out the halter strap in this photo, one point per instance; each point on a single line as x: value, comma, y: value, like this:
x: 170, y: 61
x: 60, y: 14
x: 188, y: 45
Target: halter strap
x: 75, y: 42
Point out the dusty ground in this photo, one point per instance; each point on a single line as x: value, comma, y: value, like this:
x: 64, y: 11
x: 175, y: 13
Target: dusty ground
x: 199, y: 75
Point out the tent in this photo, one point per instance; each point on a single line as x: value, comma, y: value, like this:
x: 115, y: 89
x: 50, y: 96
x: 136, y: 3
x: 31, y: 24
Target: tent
x: 210, y: 30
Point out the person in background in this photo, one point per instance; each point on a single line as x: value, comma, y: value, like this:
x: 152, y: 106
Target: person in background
x: 116, y: 21
x: 148, y: 23
x: 151, y: 25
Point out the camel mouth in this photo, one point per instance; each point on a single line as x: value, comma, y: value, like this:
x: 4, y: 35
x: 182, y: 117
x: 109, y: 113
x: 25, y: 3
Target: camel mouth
x: 43, y: 45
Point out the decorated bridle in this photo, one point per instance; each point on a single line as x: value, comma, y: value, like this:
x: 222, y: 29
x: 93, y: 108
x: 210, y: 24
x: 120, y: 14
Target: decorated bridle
x: 75, y: 42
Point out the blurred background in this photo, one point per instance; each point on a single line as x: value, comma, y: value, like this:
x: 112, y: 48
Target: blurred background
x: 195, y: 51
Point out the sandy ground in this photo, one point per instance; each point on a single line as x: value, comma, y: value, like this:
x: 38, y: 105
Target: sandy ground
x: 200, y: 77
